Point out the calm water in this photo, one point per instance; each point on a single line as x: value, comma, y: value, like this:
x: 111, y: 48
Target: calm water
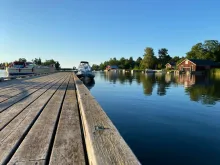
x: 166, y: 120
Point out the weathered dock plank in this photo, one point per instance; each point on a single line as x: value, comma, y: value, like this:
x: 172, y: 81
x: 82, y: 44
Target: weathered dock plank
x: 8, y: 115
x: 104, y: 144
x: 11, y: 92
x: 36, y: 144
x: 45, y: 127
x: 68, y: 145
x: 18, y: 81
x: 10, y: 143
x: 17, y: 98
x: 23, y: 85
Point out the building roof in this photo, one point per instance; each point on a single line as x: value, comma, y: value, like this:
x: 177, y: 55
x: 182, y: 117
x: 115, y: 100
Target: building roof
x: 171, y: 63
x: 201, y: 62
x: 204, y: 62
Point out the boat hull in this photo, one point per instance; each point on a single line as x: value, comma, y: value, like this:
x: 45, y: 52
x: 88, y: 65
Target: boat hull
x: 27, y: 71
x: 88, y: 75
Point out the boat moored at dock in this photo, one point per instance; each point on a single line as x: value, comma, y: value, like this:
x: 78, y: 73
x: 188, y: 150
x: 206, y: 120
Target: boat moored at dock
x: 24, y: 68
x: 85, y: 71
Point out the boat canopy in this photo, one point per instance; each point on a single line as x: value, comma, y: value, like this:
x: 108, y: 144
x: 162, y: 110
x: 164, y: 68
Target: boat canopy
x: 84, y: 62
x: 18, y: 63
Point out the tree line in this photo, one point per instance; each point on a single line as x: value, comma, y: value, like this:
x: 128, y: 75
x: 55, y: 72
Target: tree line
x: 36, y: 61
x: 209, y: 50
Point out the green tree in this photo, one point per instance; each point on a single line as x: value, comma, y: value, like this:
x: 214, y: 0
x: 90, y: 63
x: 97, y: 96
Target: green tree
x: 149, y: 59
x: 126, y: 64
x: 131, y: 63
x: 138, y: 62
x: 49, y: 62
x: 57, y: 65
x: 37, y: 61
x: 2, y: 65
x: 163, y: 56
x: 209, y: 50
x: 22, y: 60
x: 196, y: 52
x: 95, y: 67
x: 102, y: 66
x: 52, y: 62
x: 175, y: 59
x: 122, y: 63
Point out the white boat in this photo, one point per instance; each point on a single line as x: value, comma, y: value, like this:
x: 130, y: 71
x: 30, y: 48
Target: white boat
x: 149, y: 71
x: 24, y: 68
x: 85, y: 71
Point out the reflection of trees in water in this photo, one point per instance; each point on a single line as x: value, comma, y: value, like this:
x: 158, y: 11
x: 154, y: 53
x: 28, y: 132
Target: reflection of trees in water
x: 137, y: 78
x: 148, y: 82
x: 199, y: 88
x: 111, y: 76
x: 163, y: 82
x: 205, y: 91
x: 120, y: 77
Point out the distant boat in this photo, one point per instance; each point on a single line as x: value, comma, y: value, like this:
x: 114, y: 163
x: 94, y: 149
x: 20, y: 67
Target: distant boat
x: 24, y: 68
x: 85, y: 71
x: 149, y: 71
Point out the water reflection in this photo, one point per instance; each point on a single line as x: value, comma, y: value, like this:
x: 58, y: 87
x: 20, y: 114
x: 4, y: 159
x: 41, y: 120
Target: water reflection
x: 148, y: 83
x: 206, y: 91
x: 89, y: 84
x: 201, y: 88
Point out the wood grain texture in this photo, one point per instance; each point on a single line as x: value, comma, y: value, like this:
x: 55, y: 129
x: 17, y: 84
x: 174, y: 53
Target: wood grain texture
x: 24, y: 85
x: 35, y: 146
x: 68, y: 146
x: 25, y: 96
x: 104, y: 144
x: 9, y: 142
x: 17, y: 82
x: 7, y: 116
x: 30, y: 162
x: 22, y: 90
x: 20, y: 84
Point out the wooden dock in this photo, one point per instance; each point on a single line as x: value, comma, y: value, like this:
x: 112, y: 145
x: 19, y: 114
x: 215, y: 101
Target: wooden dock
x: 54, y: 120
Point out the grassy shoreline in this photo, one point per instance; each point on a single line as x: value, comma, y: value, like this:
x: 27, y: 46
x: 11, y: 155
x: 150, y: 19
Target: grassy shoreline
x: 215, y: 73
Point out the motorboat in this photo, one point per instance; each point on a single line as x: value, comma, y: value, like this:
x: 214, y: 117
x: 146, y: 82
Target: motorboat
x: 85, y: 71
x: 24, y: 68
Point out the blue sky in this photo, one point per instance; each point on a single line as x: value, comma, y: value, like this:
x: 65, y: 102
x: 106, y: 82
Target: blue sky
x: 95, y: 30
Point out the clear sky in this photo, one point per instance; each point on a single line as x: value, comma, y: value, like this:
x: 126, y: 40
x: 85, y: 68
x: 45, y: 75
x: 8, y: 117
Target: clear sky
x: 95, y: 30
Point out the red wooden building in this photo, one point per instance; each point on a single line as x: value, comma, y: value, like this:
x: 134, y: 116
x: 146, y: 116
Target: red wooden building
x: 196, y: 65
x: 170, y: 65
x: 111, y: 67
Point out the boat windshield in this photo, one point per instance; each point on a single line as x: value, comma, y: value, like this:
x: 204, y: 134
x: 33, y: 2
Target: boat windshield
x: 29, y: 64
x: 84, y: 66
x: 19, y: 64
